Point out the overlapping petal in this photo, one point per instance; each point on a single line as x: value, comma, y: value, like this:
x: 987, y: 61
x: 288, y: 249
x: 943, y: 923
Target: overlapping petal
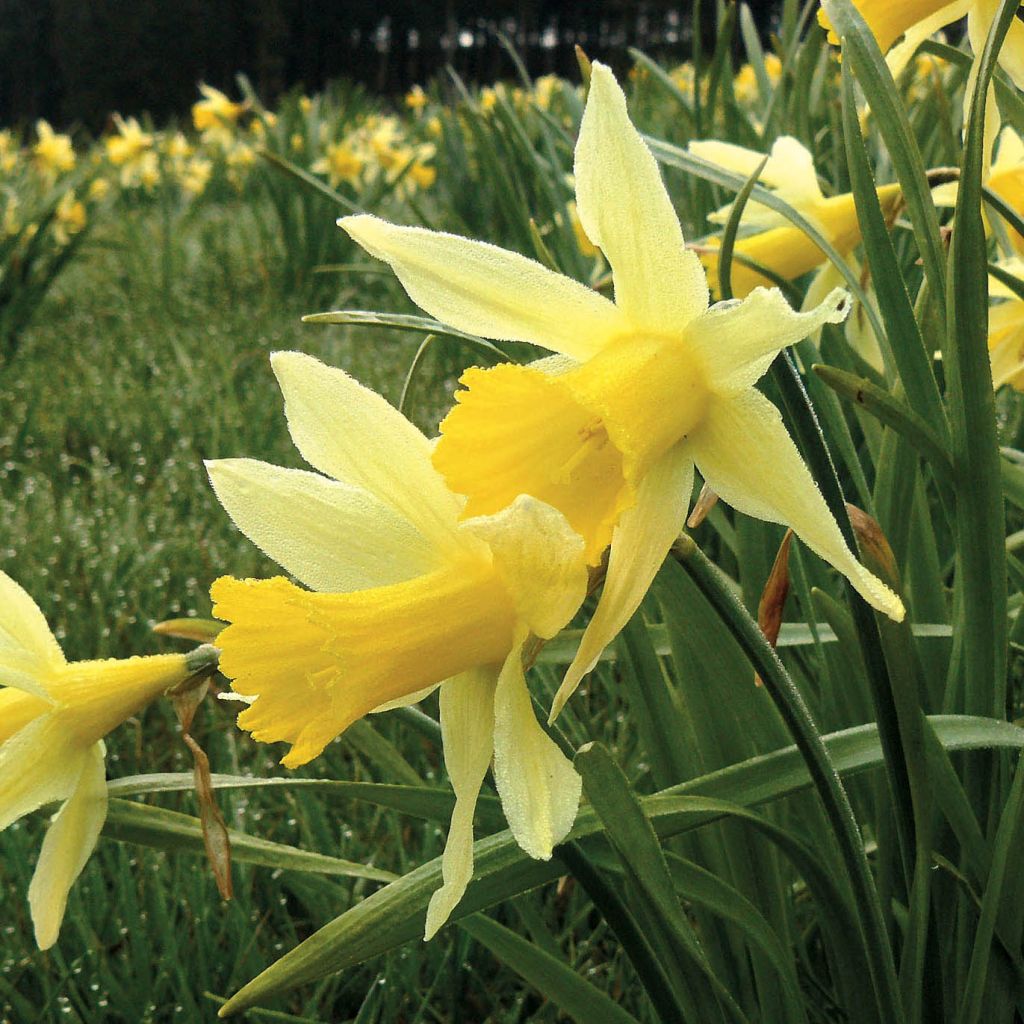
x: 467, y: 732
x: 746, y: 456
x: 486, y: 290
x: 539, y: 788
x: 329, y: 535
x: 67, y: 845
x: 353, y: 435
x: 738, y: 340
x: 627, y: 213
x: 639, y: 545
x: 28, y: 649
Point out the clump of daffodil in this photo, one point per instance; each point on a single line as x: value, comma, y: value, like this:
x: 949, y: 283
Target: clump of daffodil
x: 646, y: 387
x: 416, y: 99
x: 405, y: 597
x: 745, y: 84
x: 53, y: 717
x: 775, y: 244
x: 52, y: 153
x: 69, y: 218
x: 901, y: 26
x: 1006, y: 329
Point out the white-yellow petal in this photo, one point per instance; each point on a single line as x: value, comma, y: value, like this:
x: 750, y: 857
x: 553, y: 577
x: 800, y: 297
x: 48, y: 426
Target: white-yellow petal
x: 980, y: 15
x: 330, y: 535
x: 28, y: 648
x: 541, y: 559
x: 407, y: 701
x: 639, y: 545
x: 353, y: 435
x: 626, y: 212
x: 467, y: 731
x: 899, y: 56
x: 738, y: 340
x: 539, y: 788
x: 40, y: 763
x: 486, y: 290
x: 748, y: 459
x: 67, y: 845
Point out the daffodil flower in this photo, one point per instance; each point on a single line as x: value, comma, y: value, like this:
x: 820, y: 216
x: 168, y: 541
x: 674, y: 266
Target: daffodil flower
x: 405, y: 597
x: 901, y: 26
x: 53, y: 717
x: 1006, y: 329
x: 1004, y: 176
x: 777, y: 245
x: 646, y: 387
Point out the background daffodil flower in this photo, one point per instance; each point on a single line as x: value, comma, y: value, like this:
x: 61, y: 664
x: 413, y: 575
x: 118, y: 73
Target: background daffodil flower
x: 901, y: 26
x: 654, y: 383
x: 53, y: 717
x: 1006, y: 329
x: 405, y: 598
x: 777, y: 245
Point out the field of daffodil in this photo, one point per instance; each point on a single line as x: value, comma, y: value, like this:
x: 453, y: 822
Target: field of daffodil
x: 534, y: 552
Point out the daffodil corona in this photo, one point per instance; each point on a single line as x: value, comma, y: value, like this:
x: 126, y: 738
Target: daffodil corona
x: 644, y: 388
x: 405, y: 597
x: 53, y: 717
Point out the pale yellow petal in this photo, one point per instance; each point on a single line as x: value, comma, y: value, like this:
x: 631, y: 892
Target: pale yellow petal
x: 467, y: 731
x: 28, y: 649
x: 639, y: 546
x: 541, y: 560
x: 945, y: 14
x: 738, y: 340
x: 749, y: 460
x: 405, y: 702
x: 627, y: 213
x: 40, y: 763
x: 353, y: 435
x: 486, y: 290
x: 539, y: 788
x: 67, y: 845
x: 980, y: 15
x: 945, y: 194
x: 330, y: 535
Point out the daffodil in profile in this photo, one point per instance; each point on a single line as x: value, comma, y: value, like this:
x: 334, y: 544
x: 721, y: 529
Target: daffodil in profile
x: 53, y: 717
x: 901, y: 26
x: 406, y: 595
x: 769, y: 240
x: 644, y: 388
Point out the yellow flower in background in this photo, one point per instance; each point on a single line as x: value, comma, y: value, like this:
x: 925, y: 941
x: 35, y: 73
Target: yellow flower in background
x: 10, y: 151
x: 901, y: 26
x: 195, y: 175
x: 1006, y: 329
x: 342, y: 162
x: 305, y: 104
x: 545, y: 89
x: 416, y: 99
x: 644, y: 389
x: 53, y: 717
x: 777, y: 246
x: 132, y: 150
x: 405, y: 598
x: 488, y: 99
x: 69, y: 218
x: 215, y: 110
x: 745, y: 84
x: 52, y: 153
x: 422, y: 175
x: 11, y: 223
x: 177, y: 147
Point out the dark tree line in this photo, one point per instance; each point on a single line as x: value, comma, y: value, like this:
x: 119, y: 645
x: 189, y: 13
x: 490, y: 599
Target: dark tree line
x: 74, y: 61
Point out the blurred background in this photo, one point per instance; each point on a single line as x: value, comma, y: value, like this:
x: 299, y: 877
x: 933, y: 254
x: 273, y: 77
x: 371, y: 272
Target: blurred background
x: 72, y: 62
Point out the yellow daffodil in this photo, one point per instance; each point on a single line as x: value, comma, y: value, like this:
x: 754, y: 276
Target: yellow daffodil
x: 177, y: 147
x: 416, y: 99
x: 131, y: 149
x: 646, y: 387
x: 215, y: 110
x: 52, y: 153
x: 195, y: 175
x: 1005, y: 177
x: 488, y: 99
x: 53, y: 717
x: 10, y: 151
x: 305, y: 104
x: 405, y: 598
x: 777, y: 246
x: 69, y: 218
x: 1006, y: 329
x: 901, y: 26
x: 341, y: 163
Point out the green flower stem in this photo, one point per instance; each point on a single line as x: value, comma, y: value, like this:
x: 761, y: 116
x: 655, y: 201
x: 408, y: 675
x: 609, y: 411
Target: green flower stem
x: 794, y: 711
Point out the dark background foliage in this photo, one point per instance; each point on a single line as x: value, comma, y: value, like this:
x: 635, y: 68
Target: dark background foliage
x: 73, y: 62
